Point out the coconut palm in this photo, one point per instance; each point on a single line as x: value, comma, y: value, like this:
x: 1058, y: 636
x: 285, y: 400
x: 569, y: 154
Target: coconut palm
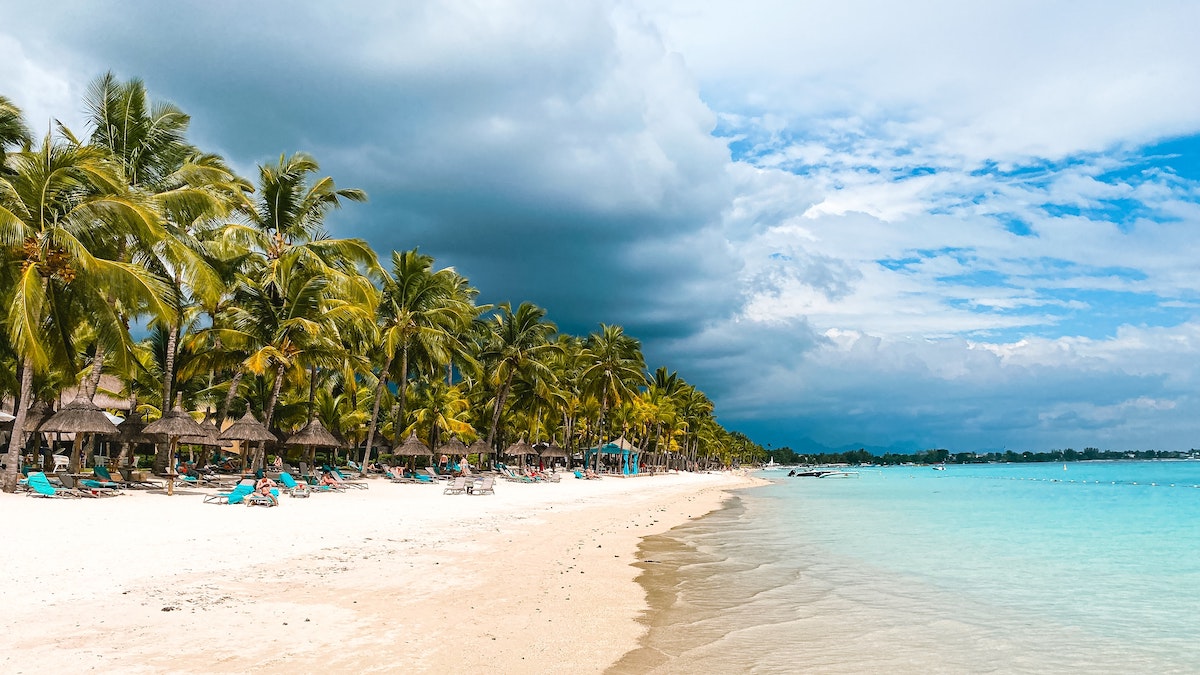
x: 440, y: 409
x: 515, y: 341
x: 421, y: 312
x: 13, y: 132
x: 191, y: 190
x: 65, y: 208
x: 615, y: 369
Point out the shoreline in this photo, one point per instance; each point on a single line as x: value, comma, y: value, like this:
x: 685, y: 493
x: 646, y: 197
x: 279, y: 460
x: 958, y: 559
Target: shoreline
x: 537, y: 578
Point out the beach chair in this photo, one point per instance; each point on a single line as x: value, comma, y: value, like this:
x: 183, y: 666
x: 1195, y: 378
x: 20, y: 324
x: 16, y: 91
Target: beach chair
x: 512, y: 476
x: 341, y: 479
x: 102, y: 474
x: 39, y: 486
x: 259, y: 499
x: 292, y: 487
x: 127, y: 476
x: 457, y: 486
x: 486, y: 487
x: 85, y: 487
x: 61, y: 463
x: 235, y: 496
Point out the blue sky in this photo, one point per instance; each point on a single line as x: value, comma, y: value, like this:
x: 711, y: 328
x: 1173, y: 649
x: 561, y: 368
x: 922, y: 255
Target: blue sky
x: 912, y: 225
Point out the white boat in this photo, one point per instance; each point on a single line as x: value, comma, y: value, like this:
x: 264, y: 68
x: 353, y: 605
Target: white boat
x: 839, y: 474
x: 939, y: 467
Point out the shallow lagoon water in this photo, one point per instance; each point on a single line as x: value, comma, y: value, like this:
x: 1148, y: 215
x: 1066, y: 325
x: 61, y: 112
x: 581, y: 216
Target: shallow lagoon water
x: 986, y: 568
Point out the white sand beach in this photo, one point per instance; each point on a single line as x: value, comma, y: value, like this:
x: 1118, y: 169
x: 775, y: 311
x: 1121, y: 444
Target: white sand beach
x: 536, y: 578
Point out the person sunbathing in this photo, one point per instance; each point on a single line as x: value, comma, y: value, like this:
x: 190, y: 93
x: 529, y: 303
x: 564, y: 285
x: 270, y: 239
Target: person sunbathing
x: 327, y: 479
x: 263, y: 486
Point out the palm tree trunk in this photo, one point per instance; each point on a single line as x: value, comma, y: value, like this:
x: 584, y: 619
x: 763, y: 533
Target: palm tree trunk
x: 375, y: 412
x: 268, y: 413
x: 500, y: 396
x: 403, y: 386
x: 12, y: 459
x: 229, y: 396
x: 93, y: 381
x: 169, y: 368
x: 312, y: 390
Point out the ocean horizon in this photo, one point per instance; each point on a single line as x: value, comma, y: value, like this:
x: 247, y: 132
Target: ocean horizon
x: 1086, y: 566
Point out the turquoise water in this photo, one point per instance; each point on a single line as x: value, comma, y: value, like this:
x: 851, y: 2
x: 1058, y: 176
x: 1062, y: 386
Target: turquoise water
x: 990, y: 568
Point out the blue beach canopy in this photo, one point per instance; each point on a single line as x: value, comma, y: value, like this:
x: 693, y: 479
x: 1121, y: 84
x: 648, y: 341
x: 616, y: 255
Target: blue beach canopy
x: 630, y: 455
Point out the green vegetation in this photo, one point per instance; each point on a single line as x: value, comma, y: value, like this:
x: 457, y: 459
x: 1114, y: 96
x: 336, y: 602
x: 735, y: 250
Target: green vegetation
x: 246, y: 302
x: 941, y: 456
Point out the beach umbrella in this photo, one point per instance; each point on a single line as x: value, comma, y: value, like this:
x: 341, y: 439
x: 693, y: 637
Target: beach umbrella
x: 248, y: 429
x: 132, y: 430
x: 453, y: 447
x: 313, y: 435
x: 479, y: 447
x: 553, y: 450
x: 520, y: 449
x: 78, y: 417
x: 38, y: 412
x: 175, y: 425
x: 413, y: 447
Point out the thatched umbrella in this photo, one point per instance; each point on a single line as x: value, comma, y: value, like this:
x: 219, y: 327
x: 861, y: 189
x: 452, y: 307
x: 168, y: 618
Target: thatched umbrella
x: 553, y: 450
x: 453, y: 447
x: 413, y: 447
x: 175, y: 425
x: 38, y: 413
x: 313, y: 435
x: 248, y: 429
x: 78, y: 417
x: 520, y: 449
x: 131, y: 432
x: 479, y: 447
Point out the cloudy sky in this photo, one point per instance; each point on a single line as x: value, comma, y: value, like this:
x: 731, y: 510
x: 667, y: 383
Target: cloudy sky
x: 910, y: 225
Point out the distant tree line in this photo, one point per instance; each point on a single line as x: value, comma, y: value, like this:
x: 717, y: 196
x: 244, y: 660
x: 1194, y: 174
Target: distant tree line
x: 786, y: 455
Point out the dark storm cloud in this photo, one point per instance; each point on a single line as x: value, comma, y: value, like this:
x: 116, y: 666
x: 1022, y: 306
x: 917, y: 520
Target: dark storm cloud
x: 554, y: 153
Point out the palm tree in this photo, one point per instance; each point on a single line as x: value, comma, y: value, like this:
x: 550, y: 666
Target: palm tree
x: 299, y: 287
x: 13, y: 132
x: 420, y: 310
x: 440, y: 408
x: 515, y: 342
x: 65, y: 207
x: 190, y: 189
x: 615, y: 369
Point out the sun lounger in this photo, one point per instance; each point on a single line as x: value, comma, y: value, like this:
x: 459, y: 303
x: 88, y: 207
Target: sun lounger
x: 235, y: 496
x: 86, y: 487
x: 127, y: 476
x: 102, y: 474
x: 292, y: 487
x: 485, y: 487
x: 457, y: 486
x: 358, y: 485
x: 39, y: 486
